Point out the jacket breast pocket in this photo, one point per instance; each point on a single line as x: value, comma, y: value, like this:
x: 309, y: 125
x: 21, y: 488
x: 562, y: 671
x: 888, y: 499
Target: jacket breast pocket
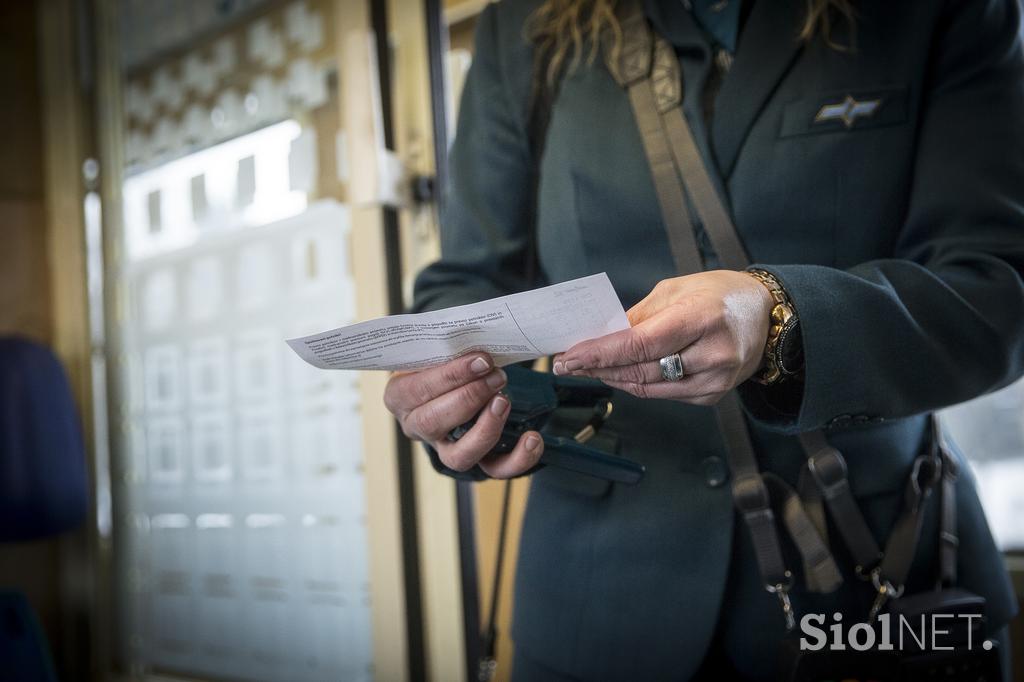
x: 841, y: 164
x: 845, y: 111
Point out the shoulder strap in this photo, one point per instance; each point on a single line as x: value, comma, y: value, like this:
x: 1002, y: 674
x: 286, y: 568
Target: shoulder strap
x: 708, y: 205
x: 647, y: 68
x: 632, y: 72
x: 827, y: 468
x: 890, y: 577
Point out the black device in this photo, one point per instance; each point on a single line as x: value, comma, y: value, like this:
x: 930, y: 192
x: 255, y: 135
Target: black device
x: 534, y: 397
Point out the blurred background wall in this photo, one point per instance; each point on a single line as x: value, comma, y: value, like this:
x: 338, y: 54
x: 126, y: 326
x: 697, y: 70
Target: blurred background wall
x: 24, y: 268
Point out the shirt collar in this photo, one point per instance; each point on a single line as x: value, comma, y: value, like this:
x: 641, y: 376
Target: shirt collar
x: 671, y: 20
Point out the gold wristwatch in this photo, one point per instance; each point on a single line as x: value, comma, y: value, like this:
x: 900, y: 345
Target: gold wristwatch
x: 783, y: 352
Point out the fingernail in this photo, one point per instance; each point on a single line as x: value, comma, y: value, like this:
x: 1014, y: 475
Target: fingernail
x: 479, y: 365
x: 532, y: 443
x: 499, y: 405
x: 572, y: 365
x: 496, y: 379
x: 559, y: 368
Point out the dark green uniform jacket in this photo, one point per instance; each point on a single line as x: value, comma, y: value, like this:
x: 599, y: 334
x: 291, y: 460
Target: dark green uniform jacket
x: 900, y: 239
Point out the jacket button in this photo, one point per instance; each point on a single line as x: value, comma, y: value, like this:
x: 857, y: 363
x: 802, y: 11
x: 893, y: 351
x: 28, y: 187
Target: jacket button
x: 715, y: 472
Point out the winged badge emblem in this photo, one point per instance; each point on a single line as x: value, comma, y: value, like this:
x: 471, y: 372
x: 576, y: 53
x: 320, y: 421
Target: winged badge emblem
x: 847, y: 111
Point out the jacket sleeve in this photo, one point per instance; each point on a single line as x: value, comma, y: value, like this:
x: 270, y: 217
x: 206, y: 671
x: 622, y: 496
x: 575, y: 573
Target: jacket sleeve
x: 489, y: 215
x: 942, y: 321
x: 488, y: 221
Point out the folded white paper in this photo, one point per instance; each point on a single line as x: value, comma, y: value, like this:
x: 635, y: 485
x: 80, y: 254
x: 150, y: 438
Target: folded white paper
x: 510, y: 328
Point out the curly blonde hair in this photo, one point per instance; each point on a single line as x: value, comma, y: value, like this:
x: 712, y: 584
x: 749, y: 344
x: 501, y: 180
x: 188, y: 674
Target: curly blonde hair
x: 569, y: 30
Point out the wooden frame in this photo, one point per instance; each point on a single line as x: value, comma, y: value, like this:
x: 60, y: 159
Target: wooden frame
x: 440, y: 576
x: 360, y: 120
x: 84, y: 556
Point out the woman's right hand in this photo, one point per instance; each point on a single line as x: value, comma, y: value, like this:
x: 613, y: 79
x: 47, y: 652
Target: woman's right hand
x: 431, y: 402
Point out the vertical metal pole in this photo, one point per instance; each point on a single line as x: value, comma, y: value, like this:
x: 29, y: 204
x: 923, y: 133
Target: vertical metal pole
x: 80, y: 654
x: 110, y: 145
x: 406, y: 472
x: 470, y: 582
x: 437, y: 49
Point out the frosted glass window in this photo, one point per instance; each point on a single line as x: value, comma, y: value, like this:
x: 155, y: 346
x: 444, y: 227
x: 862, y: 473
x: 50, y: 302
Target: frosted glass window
x: 211, y: 447
x: 163, y: 378
x: 990, y: 432
x: 257, y: 365
x: 155, y: 212
x: 244, y: 547
x: 316, y: 261
x: 208, y: 373
x: 159, y: 299
x: 136, y: 466
x: 319, y: 442
x: 245, y: 192
x: 165, y: 442
x: 200, y: 204
x: 260, y: 443
x: 257, y: 275
x: 205, y: 289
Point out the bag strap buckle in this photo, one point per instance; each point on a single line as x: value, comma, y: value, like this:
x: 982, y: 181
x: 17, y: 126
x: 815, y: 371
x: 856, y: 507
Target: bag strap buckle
x: 750, y: 494
x: 781, y: 590
x: 924, y: 476
x: 885, y: 591
x: 829, y: 471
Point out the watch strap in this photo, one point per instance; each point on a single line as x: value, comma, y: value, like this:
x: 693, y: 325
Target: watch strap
x: 783, y: 324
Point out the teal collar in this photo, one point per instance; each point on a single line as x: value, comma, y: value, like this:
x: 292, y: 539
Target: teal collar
x: 720, y: 19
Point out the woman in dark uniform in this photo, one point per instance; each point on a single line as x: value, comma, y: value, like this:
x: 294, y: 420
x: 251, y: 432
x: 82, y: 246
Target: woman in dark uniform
x: 871, y: 155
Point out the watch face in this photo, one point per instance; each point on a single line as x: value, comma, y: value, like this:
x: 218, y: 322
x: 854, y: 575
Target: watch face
x: 789, y: 353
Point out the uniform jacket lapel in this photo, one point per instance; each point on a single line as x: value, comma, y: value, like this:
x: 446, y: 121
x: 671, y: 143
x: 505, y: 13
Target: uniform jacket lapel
x: 767, y: 48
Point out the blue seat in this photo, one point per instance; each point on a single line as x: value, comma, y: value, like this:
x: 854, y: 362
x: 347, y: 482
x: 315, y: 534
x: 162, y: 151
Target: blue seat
x: 24, y: 655
x: 43, y: 485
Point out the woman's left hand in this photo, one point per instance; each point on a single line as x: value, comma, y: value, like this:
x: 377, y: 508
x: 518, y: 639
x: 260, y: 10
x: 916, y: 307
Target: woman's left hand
x: 718, y: 322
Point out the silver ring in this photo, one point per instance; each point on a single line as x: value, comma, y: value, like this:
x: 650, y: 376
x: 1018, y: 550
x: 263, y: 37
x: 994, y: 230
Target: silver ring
x: 671, y: 367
